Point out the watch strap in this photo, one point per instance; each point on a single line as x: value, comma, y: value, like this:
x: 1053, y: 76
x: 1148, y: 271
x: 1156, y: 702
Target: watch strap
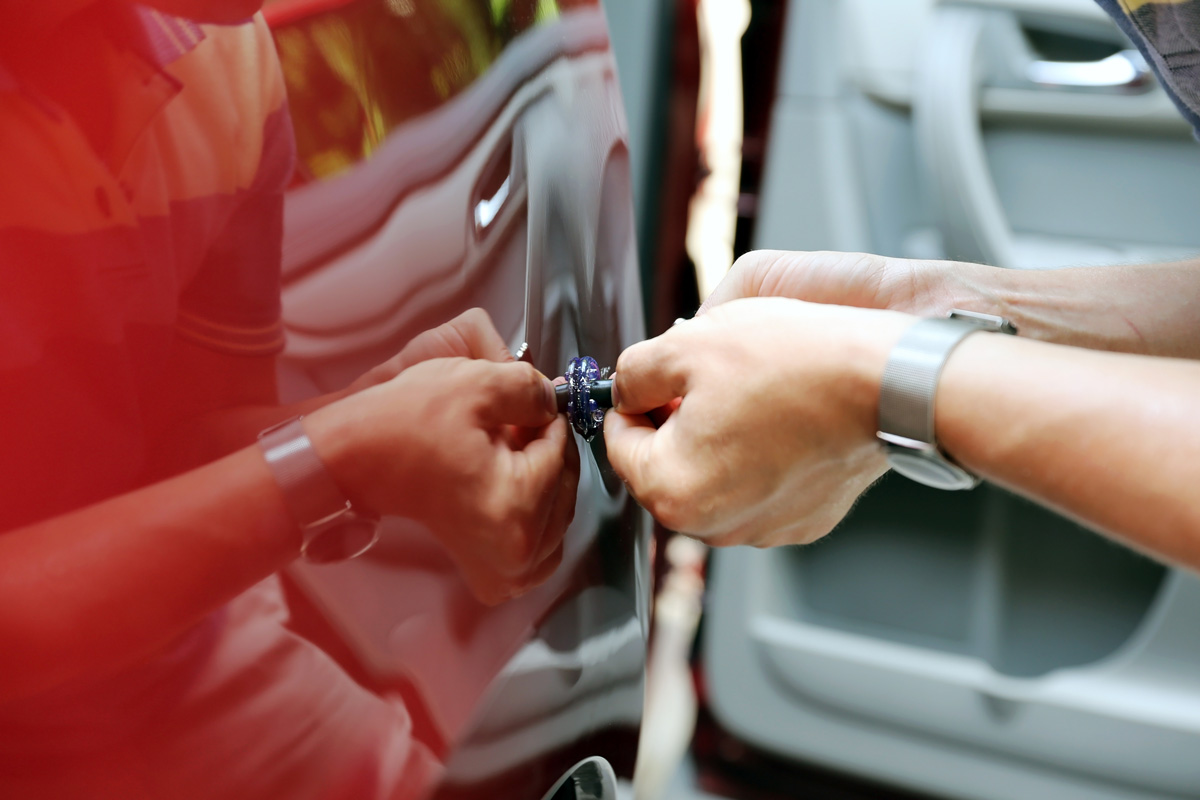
x: 311, y: 495
x: 910, y: 378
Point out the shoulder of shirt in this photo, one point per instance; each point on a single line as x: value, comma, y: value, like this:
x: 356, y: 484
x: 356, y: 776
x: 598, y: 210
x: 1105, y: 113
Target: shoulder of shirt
x: 242, y: 58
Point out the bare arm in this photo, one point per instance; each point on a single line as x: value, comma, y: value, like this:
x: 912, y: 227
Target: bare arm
x: 1153, y: 309
x: 90, y: 591
x: 775, y: 435
x: 1108, y: 439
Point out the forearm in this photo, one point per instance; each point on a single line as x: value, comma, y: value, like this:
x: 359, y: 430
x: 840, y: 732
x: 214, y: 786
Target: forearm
x: 218, y: 433
x: 1108, y: 439
x: 1151, y: 309
x: 95, y: 589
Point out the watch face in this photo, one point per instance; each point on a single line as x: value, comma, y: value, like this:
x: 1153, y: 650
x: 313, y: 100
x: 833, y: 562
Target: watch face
x: 930, y: 470
x: 345, y: 537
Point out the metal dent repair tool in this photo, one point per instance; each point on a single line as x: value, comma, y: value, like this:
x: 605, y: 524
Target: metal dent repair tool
x: 585, y: 396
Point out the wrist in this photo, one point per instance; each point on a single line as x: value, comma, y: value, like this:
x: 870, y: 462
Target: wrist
x: 908, y: 424
x: 866, y: 358
x: 1061, y: 306
x: 976, y: 375
x: 332, y: 528
x: 336, y: 433
x: 979, y: 288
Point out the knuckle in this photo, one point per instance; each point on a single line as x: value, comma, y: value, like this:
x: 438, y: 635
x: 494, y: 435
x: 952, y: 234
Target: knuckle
x: 465, y: 370
x: 519, y: 549
x: 749, y: 261
x: 531, y: 378
x: 671, y: 513
x: 550, y: 470
x: 636, y: 367
x: 682, y: 504
x: 512, y: 543
x: 640, y: 356
x: 726, y: 539
x: 515, y: 376
x: 494, y: 512
x: 628, y: 361
x: 672, y: 509
x: 475, y: 317
x: 495, y: 381
x: 756, y: 260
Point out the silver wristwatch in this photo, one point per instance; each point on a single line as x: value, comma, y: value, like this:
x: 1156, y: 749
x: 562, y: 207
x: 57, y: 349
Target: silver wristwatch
x: 332, y: 529
x: 906, y: 397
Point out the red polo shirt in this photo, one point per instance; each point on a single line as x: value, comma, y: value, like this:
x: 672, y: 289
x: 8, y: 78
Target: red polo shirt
x: 141, y: 191
x: 141, y: 195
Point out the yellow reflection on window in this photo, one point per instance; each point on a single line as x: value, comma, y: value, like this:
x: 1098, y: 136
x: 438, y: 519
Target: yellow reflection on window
x: 358, y: 71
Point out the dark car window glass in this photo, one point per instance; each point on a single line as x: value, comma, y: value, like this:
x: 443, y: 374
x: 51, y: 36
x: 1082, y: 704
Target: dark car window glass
x: 356, y: 71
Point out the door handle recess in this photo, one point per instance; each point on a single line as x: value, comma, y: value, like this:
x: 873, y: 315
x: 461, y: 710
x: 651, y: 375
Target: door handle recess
x: 951, y: 74
x: 967, y: 50
x: 1121, y: 73
x: 488, y: 208
x: 498, y: 182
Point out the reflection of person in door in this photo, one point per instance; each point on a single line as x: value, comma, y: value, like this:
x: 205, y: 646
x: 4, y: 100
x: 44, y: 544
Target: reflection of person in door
x: 145, y: 647
x: 806, y: 375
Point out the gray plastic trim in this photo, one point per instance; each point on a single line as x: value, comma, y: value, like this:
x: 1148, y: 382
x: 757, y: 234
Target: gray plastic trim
x: 946, y: 116
x: 949, y: 724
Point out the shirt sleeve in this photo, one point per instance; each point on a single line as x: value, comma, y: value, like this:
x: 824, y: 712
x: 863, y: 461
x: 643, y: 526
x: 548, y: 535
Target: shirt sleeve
x: 232, y: 305
x: 1167, y: 32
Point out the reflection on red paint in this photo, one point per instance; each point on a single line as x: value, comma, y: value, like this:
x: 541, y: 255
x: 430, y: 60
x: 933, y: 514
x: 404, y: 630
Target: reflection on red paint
x: 355, y: 71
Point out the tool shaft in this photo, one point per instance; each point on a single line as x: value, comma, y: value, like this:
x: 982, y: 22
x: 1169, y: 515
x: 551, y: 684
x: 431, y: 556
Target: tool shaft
x: 601, y: 392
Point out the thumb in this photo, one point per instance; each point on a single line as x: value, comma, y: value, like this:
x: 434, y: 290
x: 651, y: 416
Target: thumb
x: 650, y: 374
x: 627, y: 440
x: 515, y: 394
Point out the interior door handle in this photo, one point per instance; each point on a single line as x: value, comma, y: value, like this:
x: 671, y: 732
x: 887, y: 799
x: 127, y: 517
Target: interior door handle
x: 1120, y: 73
